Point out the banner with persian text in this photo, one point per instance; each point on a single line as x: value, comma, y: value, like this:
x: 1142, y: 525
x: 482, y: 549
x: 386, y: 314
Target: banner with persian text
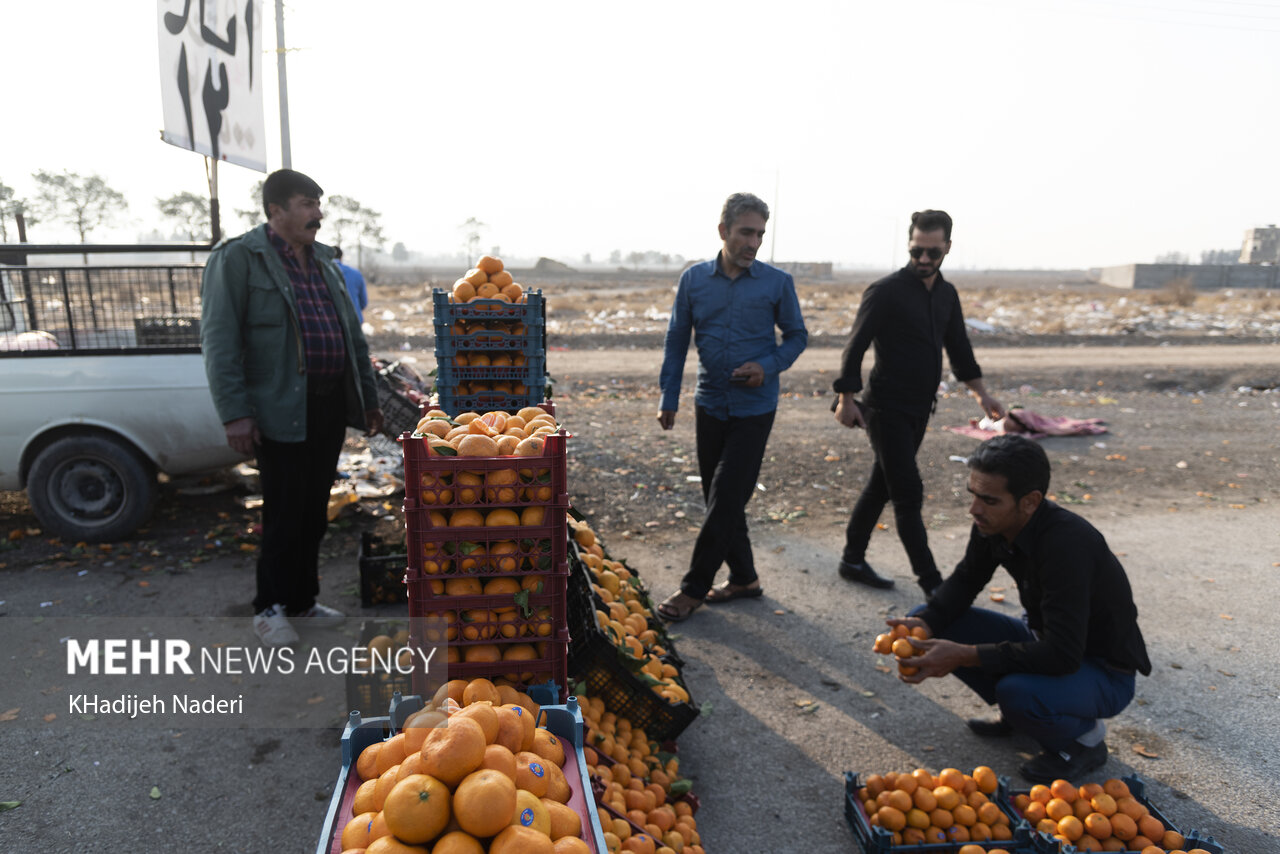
x: 211, y: 78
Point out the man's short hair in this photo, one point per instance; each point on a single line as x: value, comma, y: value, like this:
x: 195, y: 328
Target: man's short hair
x: 283, y: 184
x: 740, y: 203
x: 930, y: 221
x: 1023, y: 463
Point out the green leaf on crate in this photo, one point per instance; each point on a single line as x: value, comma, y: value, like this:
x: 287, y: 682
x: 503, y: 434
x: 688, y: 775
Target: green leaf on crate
x: 580, y: 688
x: 445, y: 451
x: 545, y: 477
x: 467, y: 547
x: 665, y: 756
x: 522, y: 601
x: 155, y: 793
x: 705, y: 709
x: 681, y: 787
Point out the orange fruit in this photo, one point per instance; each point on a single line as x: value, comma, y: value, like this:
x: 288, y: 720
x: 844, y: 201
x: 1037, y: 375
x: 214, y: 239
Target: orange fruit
x: 941, y: 818
x: 510, y: 730
x: 558, y: 787
x: 639, y: 843
x: 386, y: 781
x: 952, y: 777
x: 521, y: 840
x: 1116, y: 788
x: 452, y: 752
x: 1172, y: 839
x: 463, y: 291
x: 531, y: 812
x: 574, y: 845
x: 457, y: 842
x: 363, y: 801
x: 891, y: 818
x: 1130, y: 807
x: 917, y: 818
x: 1071, y: 828
x: 1151, y: 827
x: 948, y: 798
x: 513, y: 291
x: 548, y: 746
x: 489, y: 265
x: 1034, y: 812
x: 1097, y: 825
x: 483, y: 713
x: 965, y: 815
x: 986, y: 779
x: 390, y: 845
x: 367, y: 764
x: 356, y: 832
x: 484, y: 802
x: 476, y: 276
x: 501, y: 759
x: 480, y: 690
x: 1063, y: 789
x: 477, y: 445
x: 906, y: 783
x: 1123, y: 827
x: 531, y: 773
x: 1103, y: 803
x: 924, y: 799
x: 417, y: 808
x: 1058, y: 809
x: 1040, y: 792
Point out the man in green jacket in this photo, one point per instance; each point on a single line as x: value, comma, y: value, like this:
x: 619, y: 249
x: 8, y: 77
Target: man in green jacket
x: 289, y: 370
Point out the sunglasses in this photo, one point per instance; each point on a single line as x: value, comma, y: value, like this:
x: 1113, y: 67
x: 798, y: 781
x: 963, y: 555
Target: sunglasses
x: 933, y: 253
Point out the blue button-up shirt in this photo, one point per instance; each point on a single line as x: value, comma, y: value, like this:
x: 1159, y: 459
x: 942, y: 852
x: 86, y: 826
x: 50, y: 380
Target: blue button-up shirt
x: 733, y: 322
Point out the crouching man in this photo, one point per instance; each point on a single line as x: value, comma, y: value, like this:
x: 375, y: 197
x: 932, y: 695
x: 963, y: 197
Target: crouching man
x: 1070, y: 661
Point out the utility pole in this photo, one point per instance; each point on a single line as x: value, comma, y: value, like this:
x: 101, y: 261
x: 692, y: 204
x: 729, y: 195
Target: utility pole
x: 773, y: 230
x: 286, y: 159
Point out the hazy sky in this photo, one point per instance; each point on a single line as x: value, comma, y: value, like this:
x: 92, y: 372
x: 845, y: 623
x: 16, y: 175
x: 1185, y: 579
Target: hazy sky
x: 1058, y: 133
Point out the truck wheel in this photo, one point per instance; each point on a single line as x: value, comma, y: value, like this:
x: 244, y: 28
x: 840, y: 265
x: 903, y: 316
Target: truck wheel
x: 91, y: 488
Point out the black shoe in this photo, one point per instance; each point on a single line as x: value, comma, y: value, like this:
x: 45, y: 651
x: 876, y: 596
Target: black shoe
x: 864, y: 574
x: 1068, y: 764
x: 991, y: 727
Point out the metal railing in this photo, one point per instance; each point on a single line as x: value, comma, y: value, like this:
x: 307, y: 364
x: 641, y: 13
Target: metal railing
x: 99, y: 309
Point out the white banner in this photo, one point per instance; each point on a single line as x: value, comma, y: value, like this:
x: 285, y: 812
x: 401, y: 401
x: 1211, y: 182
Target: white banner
x: 211, y: 76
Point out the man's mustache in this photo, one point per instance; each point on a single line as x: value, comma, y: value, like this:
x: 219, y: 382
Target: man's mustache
x: 315, y: 223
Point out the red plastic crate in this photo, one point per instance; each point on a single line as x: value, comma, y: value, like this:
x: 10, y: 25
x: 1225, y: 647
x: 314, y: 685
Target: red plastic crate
x: 486, y: 552
x: 433, y: 481
x: 535, y: 614
x: 551, y: 667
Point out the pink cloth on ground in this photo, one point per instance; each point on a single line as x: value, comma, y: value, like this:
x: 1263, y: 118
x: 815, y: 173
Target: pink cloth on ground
x: 1032, y: 425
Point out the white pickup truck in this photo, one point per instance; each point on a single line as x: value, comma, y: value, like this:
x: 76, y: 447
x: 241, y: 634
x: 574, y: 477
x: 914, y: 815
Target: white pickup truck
x: 102, y: 387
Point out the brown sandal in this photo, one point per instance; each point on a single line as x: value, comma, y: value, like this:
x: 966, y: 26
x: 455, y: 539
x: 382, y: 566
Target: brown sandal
x: 726, y: 592
x: 673, y: 611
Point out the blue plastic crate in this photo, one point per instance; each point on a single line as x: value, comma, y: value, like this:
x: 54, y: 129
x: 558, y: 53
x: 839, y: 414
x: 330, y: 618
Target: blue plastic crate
x: 533, y: 370
x: 359, y: 734
x: 531, y: 310
x: 490, y: 401
x: 877, y: 840
x: 1137, y: 788
x: 532, y: 343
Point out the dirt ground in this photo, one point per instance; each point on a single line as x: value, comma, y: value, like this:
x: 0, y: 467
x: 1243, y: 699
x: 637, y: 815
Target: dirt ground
x: 1184, y: 484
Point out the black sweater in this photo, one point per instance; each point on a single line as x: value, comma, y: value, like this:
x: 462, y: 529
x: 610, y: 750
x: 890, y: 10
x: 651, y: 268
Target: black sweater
x: 909, y: 325
x: 1075, y: 592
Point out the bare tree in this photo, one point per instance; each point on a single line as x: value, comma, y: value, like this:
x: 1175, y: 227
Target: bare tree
x: 350, y: 220
x: 253, y: 214
x: 10, y: 206
x: 189, y: 211
x: 471, y: 237
x: 82, y: 201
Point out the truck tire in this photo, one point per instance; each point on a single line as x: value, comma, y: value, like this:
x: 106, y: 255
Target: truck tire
x: 91, y: 488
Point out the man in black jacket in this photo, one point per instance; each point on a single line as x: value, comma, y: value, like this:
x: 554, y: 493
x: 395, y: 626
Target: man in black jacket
x: 1071, y: 660
x: 909, y: 317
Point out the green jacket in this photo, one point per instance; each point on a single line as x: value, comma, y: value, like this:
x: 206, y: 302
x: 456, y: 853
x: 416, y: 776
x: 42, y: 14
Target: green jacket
x: 252, y: 340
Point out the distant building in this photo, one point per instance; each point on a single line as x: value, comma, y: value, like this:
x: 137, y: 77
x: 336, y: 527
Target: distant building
x: 806, y: 269
x: 1261, y: 246
x: 1199, y: 276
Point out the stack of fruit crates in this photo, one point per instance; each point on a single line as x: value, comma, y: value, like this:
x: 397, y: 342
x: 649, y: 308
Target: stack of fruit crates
x: 490, y: 354
x: 488, y: 568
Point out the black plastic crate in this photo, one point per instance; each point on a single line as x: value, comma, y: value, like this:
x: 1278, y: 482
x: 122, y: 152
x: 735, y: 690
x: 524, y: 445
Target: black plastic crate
x: 877, y: 840
x: 369, y: 693
x: 1137, y: 788
x: 381, y: 573
x: 596, y: 662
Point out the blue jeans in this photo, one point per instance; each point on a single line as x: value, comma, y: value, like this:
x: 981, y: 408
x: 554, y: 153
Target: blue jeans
x: 1054, y: 710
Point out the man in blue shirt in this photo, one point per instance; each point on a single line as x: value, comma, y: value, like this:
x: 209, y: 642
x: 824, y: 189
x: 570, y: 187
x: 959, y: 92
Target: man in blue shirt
x: 731, y: 304
x: 355, y: 284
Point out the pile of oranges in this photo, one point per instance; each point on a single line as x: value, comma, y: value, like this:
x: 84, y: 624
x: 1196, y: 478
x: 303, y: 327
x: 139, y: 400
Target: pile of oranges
x: 486, y: 280
x: 897, y: 641
x: 919, y: 808
x: 637, y: 783
x: 493, y: 434
x: 1098, y: 817
x: 488, y: 781
x: 626, y: 620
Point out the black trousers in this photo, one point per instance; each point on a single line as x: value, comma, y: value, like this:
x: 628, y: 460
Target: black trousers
x: 296, y: 478
x: 895, y: 439
x: 729, y: 457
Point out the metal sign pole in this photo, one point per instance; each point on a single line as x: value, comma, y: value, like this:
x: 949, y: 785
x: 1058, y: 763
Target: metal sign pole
x: 286, y: 159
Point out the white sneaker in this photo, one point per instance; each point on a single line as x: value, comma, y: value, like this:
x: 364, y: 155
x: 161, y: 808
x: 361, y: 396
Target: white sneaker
x: 320, y: 617
x: 273, y: 629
